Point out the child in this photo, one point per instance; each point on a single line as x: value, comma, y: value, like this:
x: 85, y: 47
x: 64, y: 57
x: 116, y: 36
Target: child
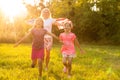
x: 38, y: 43
x: 68, y: 50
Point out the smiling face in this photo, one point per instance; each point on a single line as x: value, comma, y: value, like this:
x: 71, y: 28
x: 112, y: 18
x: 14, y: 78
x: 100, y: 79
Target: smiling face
x: 39, y: 23
x: 45, y: 13
x: 67, y: 27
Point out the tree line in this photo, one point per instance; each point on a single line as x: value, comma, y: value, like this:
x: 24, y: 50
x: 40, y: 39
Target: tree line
x: 94, y: 20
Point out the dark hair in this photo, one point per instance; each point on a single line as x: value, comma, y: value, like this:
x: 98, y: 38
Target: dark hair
x: 67, y: 23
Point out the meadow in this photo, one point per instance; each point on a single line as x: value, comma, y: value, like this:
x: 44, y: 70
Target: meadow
x: 100, y: 62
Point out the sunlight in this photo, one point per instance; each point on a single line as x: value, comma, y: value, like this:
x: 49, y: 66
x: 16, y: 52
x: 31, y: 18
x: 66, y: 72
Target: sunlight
x: 31, y: 2
x: 12, y: 8
x: 35, y: 2
x: 46, y: 1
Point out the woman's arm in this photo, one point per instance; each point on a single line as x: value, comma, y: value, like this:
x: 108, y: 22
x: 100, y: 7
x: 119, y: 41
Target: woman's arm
x: 16, y: 44
x: 57, y: 23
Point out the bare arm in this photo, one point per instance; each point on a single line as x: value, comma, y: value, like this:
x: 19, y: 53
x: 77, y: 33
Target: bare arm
x: 78, y: 45
x: 57, y: 24
x: 16, y: 44
x: 53, y: 35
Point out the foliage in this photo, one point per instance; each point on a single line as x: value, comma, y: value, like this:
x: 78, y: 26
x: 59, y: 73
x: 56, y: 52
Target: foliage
x: 98, y: 26
x: 102, y: 26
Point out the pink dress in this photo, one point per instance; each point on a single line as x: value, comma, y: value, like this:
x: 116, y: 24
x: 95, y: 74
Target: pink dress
x: 38, y: 43
x: 68, y: 43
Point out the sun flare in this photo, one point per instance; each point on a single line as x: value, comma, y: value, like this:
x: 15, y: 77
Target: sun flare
x: 12, y: 8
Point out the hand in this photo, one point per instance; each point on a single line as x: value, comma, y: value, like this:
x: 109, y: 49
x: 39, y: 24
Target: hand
x: 82, y: 51
x: 16, y: 45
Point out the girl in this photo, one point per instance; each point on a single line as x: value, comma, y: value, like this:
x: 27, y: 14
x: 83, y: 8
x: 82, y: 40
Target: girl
x: 38, y: 43
x: 68, y: 50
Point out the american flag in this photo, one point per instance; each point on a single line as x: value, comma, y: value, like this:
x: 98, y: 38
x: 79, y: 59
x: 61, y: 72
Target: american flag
x: 61, y: 22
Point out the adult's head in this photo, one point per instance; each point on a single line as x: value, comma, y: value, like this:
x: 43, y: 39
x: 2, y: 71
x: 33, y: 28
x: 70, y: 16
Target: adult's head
x: 45, y: 13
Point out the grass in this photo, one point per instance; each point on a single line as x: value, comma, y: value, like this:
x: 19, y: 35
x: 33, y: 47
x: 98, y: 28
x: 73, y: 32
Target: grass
x: 98, y: 63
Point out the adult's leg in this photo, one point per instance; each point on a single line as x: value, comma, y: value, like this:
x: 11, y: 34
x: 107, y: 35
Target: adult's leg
x: 48, y: 45
x: 47, y: 54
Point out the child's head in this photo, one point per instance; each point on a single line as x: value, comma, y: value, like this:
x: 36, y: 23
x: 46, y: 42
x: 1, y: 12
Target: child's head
x: 45, y: 13
x: 67, y: 27
x: 38, y: 23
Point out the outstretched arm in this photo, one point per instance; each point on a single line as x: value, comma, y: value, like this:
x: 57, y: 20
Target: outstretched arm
x: 78, y: 45
x: 57, y: 23
x: 53, y: 35
x: 16, y: 44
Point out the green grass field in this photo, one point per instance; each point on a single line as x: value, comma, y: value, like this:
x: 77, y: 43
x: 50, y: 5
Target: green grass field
x: 98, y: 63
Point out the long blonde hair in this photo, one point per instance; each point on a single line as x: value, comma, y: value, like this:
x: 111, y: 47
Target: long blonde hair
x: 42, y: 12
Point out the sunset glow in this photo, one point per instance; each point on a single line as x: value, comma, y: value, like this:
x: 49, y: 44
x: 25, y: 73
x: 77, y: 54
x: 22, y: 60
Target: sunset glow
x: 12, y: 8
x: 35, y: 2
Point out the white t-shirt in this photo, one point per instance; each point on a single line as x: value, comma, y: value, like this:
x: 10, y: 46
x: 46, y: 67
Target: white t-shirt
x: 48, y: 24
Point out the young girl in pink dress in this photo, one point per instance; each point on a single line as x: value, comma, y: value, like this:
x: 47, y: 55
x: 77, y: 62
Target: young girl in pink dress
x: 68, y: 49
x: 38, y: 43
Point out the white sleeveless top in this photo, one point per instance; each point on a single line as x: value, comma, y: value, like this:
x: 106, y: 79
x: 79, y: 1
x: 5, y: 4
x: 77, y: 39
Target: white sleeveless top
x: 48, y: 24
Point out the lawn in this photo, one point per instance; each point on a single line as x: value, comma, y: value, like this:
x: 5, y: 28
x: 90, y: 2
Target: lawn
x: 100, y: 62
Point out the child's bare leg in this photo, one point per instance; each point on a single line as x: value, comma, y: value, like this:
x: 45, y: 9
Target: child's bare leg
x: 69, y: 66
x: 34, y: 62
x: 40, y: 67
x: 65, y: 63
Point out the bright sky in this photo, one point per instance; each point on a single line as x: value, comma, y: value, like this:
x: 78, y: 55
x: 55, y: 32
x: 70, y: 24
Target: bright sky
x: 12, y: 8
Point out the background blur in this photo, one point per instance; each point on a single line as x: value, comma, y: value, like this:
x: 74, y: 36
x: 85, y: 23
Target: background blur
x: 95, y: 21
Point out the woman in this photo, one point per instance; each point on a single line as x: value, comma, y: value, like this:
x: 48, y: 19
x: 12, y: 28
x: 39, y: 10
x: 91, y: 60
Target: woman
x: 48, y: 40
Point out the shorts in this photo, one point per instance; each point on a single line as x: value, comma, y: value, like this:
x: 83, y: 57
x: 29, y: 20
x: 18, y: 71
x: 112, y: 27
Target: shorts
x: 37, y: 53
x: 48, y: 41
x: 69, y: 55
